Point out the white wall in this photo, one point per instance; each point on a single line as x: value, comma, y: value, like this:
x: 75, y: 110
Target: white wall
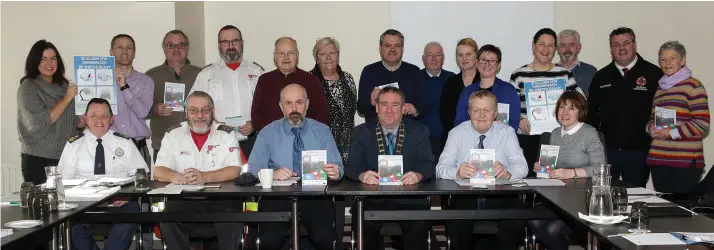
x: 654, y: 23
x: 83, y: 28
x: 508, y: 25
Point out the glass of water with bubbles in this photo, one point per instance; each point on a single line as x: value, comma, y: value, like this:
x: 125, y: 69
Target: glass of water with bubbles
x: 54, y: 180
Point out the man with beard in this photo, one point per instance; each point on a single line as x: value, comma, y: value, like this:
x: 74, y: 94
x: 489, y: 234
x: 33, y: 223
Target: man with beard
x: 285, y: 57
x: 135, y: 97
x: 568, y: 49
x: 620, y: 104
x: 100, y: 152
x: 176, y: 69
x: 295, y: 133
x: 389, y: 134
x: 199, y: 151
x: 231, y: 83
x: 391, y: 69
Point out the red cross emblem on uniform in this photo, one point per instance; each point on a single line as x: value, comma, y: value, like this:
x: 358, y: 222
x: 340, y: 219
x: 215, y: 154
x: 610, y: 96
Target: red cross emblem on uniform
x: 641, y: 81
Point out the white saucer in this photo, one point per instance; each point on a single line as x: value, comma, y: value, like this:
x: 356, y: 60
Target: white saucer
x: 67, y: 206
x: 603, y: 221
x: 23, y: 223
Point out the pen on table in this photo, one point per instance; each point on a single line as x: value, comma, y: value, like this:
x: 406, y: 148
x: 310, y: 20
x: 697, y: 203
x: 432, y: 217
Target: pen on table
x: 11, y: 203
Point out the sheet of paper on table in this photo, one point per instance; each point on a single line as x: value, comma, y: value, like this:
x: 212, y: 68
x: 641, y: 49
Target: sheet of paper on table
x: 641, y: 191
x: 284, y: 183
x: 650, y: 239
x: 544, y: 182
x: 467, y: 182
x: 5, y: 232
x: 73, y: 182
x: 646, y: 199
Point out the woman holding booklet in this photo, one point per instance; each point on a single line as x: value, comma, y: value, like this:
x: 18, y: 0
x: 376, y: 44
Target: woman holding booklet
x: 580, y: 149
x: 679, y: 122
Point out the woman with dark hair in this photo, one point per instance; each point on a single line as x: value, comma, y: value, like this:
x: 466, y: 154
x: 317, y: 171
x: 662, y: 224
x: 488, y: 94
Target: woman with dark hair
x: 542, y: 68
x: 45, y: 111
x: 340, y: 92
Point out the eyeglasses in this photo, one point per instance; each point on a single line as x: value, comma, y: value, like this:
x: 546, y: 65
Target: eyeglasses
x: 176, y: 45
x: 283, y: 54
x: 234, y: 42
x: 487, y: 62
x: 195, y: 111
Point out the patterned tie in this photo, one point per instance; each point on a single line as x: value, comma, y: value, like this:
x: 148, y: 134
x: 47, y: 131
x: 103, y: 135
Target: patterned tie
x: 390, y: 138
x: 297, y: 152
x: 481, y: 201
x: 625, y: 70
x: 99, y: 159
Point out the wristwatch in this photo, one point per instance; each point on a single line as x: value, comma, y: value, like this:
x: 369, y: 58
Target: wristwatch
x: 126, y: 86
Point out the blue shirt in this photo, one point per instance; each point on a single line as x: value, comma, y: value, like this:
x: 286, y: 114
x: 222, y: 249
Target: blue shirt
x: 434, y: 87
x: 505, y: 93
x: 464, y: 137
x: 273, y: 148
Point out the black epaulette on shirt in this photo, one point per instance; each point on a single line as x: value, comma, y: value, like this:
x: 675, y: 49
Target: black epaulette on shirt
x: 122, y: 135
x: 74, y: 138
x: 207, y: 65
x: 173, y: 127
x: 226, y: 128
x: 261, y: 67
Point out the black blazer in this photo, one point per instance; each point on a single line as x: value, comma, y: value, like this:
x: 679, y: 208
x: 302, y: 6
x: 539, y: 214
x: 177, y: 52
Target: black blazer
x: 449, y: 99
x: 416, y: 150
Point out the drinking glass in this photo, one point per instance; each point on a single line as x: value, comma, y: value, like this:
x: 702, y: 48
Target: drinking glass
x: 619, y: 197
x: 141, y: 181
x: 600, y: 202
x: 639, y: 218
x: 602, y: 170
x: 54, y: 180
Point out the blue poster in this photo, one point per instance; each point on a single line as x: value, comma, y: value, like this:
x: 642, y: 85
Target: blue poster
x: 541, y: 96
x: 94, y: 76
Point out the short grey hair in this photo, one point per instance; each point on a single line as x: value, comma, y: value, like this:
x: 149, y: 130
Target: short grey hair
x: 673, y: 45
x: 285, y: 38
x: 322, y: 42
x: 433, y: 43
x: 569, y: 32
x: 202, y: 95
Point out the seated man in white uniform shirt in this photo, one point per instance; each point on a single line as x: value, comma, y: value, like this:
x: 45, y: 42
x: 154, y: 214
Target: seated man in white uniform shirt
x: 96, y: 153
x: 199, y: 151
x: 481, y: 132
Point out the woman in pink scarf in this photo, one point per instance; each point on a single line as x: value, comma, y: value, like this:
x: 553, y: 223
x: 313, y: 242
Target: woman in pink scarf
x: 679, y: 122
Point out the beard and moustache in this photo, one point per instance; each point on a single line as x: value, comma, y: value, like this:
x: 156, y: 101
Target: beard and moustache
x: 231, y: 54
x: 295, y: 118
x: 567, y: 55
x: 193, y: 124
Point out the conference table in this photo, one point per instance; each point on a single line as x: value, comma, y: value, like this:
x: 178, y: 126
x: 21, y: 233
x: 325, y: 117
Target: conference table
x: 54, y: 223
x: 556, y: 203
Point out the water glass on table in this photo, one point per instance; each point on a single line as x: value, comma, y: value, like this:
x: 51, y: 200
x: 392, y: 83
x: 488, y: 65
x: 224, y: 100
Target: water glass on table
x: 639, y: 218
x: 54, y: 180
x: 619, y: 198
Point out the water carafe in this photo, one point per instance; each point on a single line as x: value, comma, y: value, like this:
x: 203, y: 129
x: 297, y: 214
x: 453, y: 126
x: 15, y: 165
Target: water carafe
x: 54, y: 180
x: 601, y: 198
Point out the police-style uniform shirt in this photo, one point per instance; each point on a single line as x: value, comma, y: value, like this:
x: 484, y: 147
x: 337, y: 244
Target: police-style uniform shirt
x: 231, y: 90
x: 121, y: 157
x: 179, y: 152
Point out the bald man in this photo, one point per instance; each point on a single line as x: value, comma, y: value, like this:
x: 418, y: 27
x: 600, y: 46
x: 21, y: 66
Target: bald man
x: 286, y: 57
x: 435, y: 77
x: 295, y: 133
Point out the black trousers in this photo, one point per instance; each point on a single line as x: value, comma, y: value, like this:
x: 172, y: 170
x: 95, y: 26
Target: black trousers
x: 510, y: 233
x: 531, y: 146
x: 176, y: 235
x: 316, y: 214
x: 675, y: 180
x: 415, y: 234
x: 33, y: 168
x: 631, y: 165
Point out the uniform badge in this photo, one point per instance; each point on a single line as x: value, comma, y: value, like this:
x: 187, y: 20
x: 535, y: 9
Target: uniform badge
x: 231, y: 149
x: 119, y: 152
x: 641, y: 81
x: 251, y: 76
x: 74, y: 138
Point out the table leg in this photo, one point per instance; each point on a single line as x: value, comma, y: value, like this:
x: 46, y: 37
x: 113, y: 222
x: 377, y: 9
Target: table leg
x: 295, y: 223
x: 140, y: 242
x: 54, y: 245
x: 360, y: 221
x: 67, y: 236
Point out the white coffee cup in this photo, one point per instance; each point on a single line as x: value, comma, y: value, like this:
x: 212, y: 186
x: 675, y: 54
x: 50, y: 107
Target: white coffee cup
x: 266, y: 178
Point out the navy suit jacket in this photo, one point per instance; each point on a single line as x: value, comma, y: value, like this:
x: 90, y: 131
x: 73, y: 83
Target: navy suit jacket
x: 416, y: 150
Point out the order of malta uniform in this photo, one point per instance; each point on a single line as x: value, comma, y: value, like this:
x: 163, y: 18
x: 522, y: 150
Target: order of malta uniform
x: 231, y: 90
x: 179, y: 152
x: 121, y: 157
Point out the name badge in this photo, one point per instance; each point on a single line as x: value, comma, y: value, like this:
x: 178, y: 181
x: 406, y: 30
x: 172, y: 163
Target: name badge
x: 184, y: 153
